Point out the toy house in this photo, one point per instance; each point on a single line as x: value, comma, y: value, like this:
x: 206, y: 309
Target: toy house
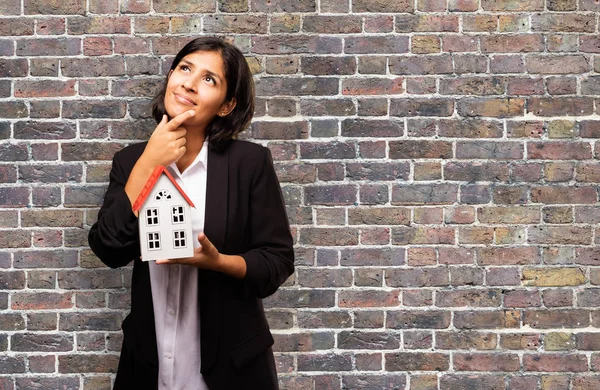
x: 164, y: 218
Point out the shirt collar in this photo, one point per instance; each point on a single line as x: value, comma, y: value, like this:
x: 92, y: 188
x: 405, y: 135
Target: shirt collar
x: 201, y: 160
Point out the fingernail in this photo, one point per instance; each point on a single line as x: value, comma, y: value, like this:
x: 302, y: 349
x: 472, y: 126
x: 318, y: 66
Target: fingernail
x: 192, y: 113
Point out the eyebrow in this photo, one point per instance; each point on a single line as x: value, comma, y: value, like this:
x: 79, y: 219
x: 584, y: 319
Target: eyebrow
x: 186, y: 62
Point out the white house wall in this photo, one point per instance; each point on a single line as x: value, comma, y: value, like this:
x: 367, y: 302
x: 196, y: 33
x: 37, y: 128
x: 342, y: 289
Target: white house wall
x: 166, y: 226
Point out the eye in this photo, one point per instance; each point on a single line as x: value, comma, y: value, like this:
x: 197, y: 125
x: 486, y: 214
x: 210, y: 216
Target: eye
x: 210, y: 79
x: 184, y: 67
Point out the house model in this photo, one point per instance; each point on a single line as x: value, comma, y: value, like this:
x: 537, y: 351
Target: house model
x: 164, y: 218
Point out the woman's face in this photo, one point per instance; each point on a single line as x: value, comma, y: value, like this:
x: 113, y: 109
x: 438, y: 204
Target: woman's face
x: 198, y: 83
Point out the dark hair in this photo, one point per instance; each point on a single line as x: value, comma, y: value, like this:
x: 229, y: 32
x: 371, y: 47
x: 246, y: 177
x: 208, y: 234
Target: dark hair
x: 240, y: 86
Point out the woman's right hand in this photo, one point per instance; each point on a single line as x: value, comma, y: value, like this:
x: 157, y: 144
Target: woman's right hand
x: 167, y: 143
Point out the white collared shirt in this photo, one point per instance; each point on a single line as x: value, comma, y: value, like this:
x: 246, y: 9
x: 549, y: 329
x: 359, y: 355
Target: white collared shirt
x: 175, y: 295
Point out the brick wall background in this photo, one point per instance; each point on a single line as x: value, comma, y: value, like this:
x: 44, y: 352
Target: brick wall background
x: 439, y: 160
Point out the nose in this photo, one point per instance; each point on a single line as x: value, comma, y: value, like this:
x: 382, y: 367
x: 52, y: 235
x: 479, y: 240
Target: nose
x: 190, y: 83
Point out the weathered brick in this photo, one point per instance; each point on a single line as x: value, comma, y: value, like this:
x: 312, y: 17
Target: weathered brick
x: 91, y: 363
x: 421, y: 65
x: 368, y: 278
x: 296, y: 44
x: 585, y: 382
x: 543, y: 319
x: 325, y: 362
x: 32, y: 342
x: 562, y: 22
x: 490, y: 107
x: 423, y: 235
x: 372, y: 107
x: 471, y: 381
x: 427, y: 23
x: 41, y: 301
x: 476, y: 171
x: 466, y: 340
x: 326, y: 107
x: 527, y: 5
x: 486, y: 362
x: 376, y: 44
x: 510, y: 194
x: 368, y: 298
x: 556, y: 65
x: 560, y: 106
x: 562, y: 194
x: 298, y: 86
x: 505, y: 43
x: 372, y: 128
x: 372, y: 86
x: 420, y: 149
x: 423, y: 277
x: 14, y: 196
x: 424, y: 194
x: 374, y: 381
x: 525, y: 86
x: 417, y: 340
x: 489, y: 150
x: 486, y: 319
x: 421, y: 256
x: 54, y: 7
x: 470, y: 128
x: 371, y: 257
x: 555, y: 362
x: 416, y: 361
x: 458, y: 44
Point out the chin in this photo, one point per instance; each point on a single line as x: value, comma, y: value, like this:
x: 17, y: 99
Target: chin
x: 174, y: 109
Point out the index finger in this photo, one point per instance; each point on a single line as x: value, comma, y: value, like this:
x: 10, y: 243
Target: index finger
x: 179, y: 119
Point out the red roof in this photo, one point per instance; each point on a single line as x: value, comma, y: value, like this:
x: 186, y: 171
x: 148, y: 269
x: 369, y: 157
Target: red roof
x: 159, y: 170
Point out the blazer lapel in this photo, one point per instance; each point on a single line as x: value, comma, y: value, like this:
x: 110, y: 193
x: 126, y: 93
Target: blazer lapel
x: 215, y: 228
x: 215, y: 216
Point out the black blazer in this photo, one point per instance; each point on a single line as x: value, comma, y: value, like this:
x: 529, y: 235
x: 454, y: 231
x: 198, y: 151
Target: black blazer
x: 245, y: 215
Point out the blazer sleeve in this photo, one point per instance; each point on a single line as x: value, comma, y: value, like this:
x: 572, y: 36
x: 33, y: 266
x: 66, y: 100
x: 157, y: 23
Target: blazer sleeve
x: 114, y: 238
x: 270, y: 261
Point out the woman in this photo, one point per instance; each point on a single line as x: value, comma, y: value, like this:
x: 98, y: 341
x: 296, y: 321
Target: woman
x: 198, y: 323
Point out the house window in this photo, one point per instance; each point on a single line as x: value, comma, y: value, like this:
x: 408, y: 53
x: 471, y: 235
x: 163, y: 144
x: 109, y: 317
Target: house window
x: 177, y: 213
x: 179, y: 239
x: 153, y: 241
x: 163, y: 194
x: 151, y: 216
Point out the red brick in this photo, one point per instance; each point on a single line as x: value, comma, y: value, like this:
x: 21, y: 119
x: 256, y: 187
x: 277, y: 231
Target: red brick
x: 416, y: 361
x: 421, y: 65
x: 557, y: 106
x: 44, y: 88
x: 469, y: 298
x: 547, y: 319
x: 420, y: 277
x: 499, y: 108
x: 555, y: 363
x: 563, y: 194
x: 512, y: 43
x: 486, y: 362
x: 372, y: 86
x: 296, y: 44
x: 368, y: 298
x: 54, y: 7
x: 41, y: 301
x: 553, y: 64
x: 471, y: 381
x: 376, y: 44
x: 563, y: 22
x: 427, y: 23
x: 382, y: 6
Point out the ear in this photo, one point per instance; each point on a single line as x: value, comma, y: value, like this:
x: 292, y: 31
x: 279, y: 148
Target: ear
x: 227, y: 107
x: 170, y: 73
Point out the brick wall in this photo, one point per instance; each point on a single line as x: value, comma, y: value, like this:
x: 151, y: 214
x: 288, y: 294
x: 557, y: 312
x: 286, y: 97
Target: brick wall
x: 438, y: 159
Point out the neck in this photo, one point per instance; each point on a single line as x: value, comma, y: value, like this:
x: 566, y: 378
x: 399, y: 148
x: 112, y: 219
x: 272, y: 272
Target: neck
x: 193, y: 144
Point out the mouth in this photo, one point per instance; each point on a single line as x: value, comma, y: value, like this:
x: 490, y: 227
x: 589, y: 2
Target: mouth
x: 184, y: 100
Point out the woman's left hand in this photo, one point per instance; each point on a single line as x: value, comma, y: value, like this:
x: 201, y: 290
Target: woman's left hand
x: 208, y: 257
